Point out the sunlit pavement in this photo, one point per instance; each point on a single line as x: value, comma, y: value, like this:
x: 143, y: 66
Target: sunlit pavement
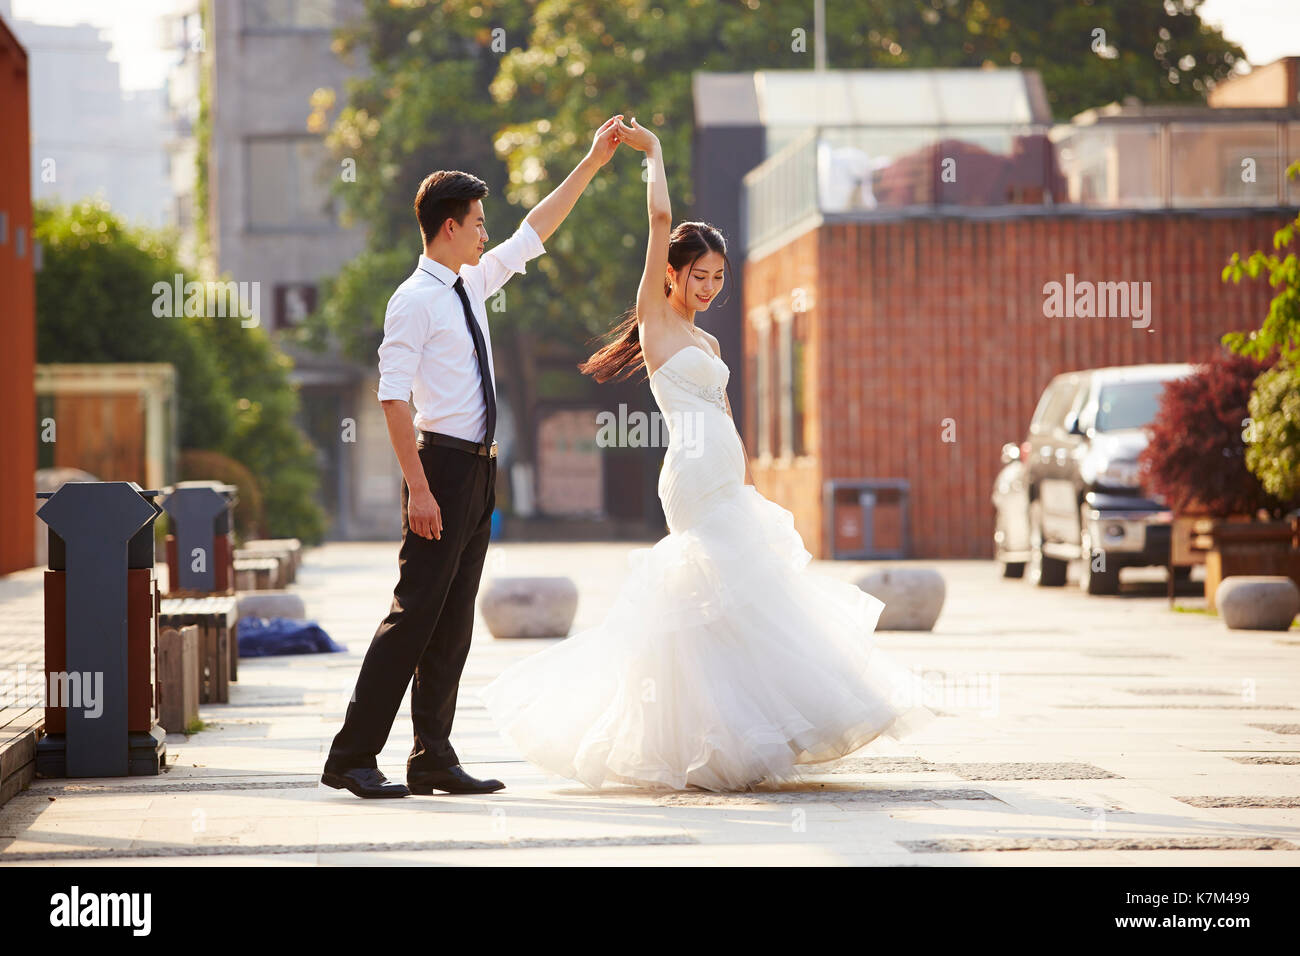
x: 1072, y: 730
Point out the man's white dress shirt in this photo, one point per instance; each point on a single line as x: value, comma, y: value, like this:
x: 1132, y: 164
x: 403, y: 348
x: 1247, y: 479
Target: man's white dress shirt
x: 428, y: 352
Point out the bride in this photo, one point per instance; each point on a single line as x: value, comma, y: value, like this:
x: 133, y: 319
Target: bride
x: 723, y: 662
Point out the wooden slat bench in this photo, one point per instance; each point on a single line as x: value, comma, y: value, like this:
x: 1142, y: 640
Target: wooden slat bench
x: 20, y: 727
x: 259, y: 574
x: 217, y: 618
x: 178, y: 677
x: 289, y: 548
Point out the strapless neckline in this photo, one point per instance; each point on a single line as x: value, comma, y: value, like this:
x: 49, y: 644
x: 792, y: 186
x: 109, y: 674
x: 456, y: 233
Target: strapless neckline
x: 679, y: 352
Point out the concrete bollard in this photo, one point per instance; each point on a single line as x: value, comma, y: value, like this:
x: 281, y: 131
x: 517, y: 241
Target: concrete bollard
x: 529, y: 607
x: 1257, y: 602
x: 271, y: 604
x: 913, y: 597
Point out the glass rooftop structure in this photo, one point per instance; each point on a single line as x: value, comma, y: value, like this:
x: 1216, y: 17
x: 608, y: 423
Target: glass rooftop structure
x: 895, y: 143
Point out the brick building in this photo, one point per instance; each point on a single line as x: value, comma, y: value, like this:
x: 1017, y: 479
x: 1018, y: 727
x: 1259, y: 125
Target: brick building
x: 901, y: 336
x: 924, y: 347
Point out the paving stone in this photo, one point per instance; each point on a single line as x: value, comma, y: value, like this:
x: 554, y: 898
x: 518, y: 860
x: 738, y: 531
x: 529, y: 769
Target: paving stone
x: 977, y: 771
x: 1048, y: 772
x: 689, y: 799
x: 1175, y: 706
x: 882, y: 765
x: 1098, y: 843
x: 1192, y: 691
x: 237, y: 849
x: 1132, y: 655
x: 188, y: 787
x: 1247, y: 802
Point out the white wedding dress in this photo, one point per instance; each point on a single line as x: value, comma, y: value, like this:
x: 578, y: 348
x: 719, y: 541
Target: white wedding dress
x: 723, y: 661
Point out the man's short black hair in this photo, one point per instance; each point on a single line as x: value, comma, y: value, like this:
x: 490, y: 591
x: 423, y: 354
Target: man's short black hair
x: 445, y: 195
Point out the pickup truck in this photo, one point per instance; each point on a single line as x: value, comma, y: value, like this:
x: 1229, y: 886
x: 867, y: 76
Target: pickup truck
x: 1070, y: 490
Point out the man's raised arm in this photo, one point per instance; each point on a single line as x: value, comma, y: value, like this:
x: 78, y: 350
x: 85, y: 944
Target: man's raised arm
x: 547, y: 215
x: 502, y: 261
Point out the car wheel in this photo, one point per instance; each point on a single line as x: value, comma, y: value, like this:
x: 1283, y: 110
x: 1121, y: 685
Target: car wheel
x: 1010, y: 569
x: 1044, y: 571
x: 1091, y: 580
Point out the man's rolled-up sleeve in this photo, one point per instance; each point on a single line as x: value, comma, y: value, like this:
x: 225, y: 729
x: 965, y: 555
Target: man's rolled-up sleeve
x: 502, y: 261
x: 406, y: 329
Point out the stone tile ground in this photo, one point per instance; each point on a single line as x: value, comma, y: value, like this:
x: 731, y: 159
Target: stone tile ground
x: 1073, y: 731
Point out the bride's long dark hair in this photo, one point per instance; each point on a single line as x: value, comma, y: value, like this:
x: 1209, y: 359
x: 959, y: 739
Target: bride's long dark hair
x: 621, y: 356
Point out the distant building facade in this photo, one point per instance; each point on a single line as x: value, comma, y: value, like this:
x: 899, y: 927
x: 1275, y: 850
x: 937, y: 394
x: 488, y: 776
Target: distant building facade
x: 89, y: 137
x: 274, y: 221
x: 896, y: 254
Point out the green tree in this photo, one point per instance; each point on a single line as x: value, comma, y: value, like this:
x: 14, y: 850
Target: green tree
x: 1273, y: 434
x: 425, y: 104
x: 95, y: 303
x: 1089, y: 52
x: 511, y: 92
x: 1273, y: 446
x: 459, y: 83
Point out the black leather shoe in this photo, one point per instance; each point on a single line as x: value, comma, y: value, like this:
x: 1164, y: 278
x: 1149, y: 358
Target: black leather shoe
x: 364, y: 782
x: 452, y: 780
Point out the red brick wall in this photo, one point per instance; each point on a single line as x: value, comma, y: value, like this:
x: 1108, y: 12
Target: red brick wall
x: 913, y: 322
x: 17, y: 318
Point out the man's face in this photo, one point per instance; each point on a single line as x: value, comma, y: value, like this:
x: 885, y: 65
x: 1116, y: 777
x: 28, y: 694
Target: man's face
x: 470, y: 237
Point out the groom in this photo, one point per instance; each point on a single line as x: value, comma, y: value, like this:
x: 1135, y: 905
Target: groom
x: 436, y: 347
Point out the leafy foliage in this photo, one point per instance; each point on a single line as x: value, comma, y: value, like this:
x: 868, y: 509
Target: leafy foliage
x: 1274, y: 454
x: 95, y: 303
x: 424, y: 105
x: 511, y: 92
x: 1156, y: 50
x: 1281, y: 329
x: 1196, y: 458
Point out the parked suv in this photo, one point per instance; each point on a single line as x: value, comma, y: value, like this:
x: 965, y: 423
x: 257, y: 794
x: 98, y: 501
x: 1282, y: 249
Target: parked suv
x: 1070, y: 490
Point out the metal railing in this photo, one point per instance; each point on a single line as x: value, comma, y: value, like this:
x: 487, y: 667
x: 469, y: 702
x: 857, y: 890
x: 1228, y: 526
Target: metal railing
x: 901, y: 171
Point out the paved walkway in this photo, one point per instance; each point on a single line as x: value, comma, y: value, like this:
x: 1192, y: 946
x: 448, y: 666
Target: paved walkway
x: 1073, y: 731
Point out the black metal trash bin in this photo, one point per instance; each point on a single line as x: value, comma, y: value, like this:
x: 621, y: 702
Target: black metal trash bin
x: 200, y: 550
x: 100, y: 633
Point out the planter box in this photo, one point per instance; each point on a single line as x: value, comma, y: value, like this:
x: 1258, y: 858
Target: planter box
x: 1250, y: 548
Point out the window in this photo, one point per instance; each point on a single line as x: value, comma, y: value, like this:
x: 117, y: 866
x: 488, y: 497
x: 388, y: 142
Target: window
x: 799, y: 388
x: 763, y: 383
x: 1054, y: 405
x: 287, y: 185
x: 1128, y: 405
x: 1058, y: 413
x: 269, y: 15
x: 784, y: 384
x: 293, y: 303
x: 790, y: 387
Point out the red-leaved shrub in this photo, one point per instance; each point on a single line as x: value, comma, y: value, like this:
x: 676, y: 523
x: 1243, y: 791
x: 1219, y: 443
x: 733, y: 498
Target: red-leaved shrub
x: 1196, y: 456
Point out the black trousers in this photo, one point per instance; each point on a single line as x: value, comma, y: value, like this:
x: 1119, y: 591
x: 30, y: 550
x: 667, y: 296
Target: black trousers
x: 427, y: 631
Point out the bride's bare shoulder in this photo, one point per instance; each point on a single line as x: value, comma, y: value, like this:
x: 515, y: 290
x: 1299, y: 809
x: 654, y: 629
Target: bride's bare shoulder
x: 713, y: 342
x: 656, y: 338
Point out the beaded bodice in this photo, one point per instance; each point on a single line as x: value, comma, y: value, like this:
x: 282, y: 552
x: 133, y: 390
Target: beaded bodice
x: 704, y: 377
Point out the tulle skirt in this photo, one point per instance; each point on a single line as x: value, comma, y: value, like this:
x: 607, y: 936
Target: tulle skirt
x: 723, y: 663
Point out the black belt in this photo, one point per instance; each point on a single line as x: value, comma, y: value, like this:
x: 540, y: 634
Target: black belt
x: 451, y: 441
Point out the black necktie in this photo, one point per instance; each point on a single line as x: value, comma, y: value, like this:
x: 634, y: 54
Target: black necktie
x: 480, y: 349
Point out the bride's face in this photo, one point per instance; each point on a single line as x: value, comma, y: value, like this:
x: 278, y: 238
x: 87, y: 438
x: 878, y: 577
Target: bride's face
x: 698, y: 287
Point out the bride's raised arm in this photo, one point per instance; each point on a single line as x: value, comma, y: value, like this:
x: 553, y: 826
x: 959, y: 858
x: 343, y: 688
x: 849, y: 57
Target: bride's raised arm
x: 650, y: 299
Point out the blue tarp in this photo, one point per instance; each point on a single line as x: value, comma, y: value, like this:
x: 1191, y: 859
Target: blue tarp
x: 266, y: 636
